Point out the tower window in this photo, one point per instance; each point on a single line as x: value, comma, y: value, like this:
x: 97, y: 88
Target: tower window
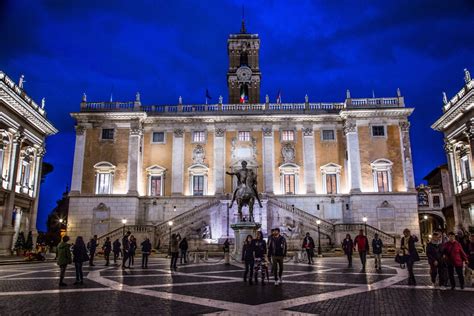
x: 244, y: 59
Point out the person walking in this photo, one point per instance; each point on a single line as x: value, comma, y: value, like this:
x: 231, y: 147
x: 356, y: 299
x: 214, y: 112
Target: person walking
x: 348, y: 247
x: 80, y: 256
x: 132, y: 250
x: 116, y: 250
x: 146, y: 250
x: 92, y: 246
x: 107, y: 248
x: 470, y: 267
x: 455, y: 256
x: 63, y: 258
x: 277, y: 251
x: 260, y: 250
x: 174, y: 247
x: 183, y: 248
x: 125, y: 248
x: 410, y: 254
x: 308, y: 245
x: 248, y: 258
x: 377, y: 247
x: 362, y: 244
x: 434, y: 252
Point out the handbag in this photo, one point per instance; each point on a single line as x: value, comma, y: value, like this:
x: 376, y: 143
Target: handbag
x: 400, y: 259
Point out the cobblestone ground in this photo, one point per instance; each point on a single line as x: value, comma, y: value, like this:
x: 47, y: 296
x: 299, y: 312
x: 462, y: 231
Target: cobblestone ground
x: 325, y: 288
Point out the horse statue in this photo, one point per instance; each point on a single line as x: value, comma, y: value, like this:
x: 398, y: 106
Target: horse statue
x: 246, y: 192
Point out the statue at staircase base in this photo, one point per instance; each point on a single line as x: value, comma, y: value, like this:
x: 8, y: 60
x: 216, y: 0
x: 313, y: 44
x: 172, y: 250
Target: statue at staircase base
x: 241, y: 230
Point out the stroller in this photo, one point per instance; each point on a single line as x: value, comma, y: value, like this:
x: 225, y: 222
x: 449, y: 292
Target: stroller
x: 261, y: 266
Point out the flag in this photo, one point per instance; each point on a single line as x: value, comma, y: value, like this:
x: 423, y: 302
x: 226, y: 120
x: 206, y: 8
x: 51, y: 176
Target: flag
x: 243, y: 94
x: 208, y: 96
x: 279, y: 97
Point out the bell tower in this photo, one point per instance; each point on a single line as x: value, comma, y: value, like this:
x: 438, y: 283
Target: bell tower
x: 243, y: 75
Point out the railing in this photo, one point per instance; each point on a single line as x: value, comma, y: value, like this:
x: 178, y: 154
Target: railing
x: 119, y: 232
x: 371, y: 231
x: 375, y: 102
x: 109, y: 106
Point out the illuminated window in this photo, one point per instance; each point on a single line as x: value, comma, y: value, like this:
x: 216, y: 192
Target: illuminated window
x: 331, y: 174
x: 104, y: 175
x: 289, y: 174
x: 156, y: 180
x: 244, y: 136
x: 382, y: 173
x: 199, y: 136
x: 288, y: 135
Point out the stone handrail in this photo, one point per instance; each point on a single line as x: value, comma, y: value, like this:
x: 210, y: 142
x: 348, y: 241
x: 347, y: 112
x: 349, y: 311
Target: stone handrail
x: 119, y: 232
x: 371, y: 230
x: 108, y: 106
x: 375, y: 101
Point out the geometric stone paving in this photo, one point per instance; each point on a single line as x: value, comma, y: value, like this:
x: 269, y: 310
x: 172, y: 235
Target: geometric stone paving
x: 325, y: 288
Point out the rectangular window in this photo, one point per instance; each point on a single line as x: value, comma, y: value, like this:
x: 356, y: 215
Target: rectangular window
x: 198, y: 185
x: 104, y: 183
x: 158, y: 137
x: 382, y: 181
x: 2, y: 154
x: 244, y: 136
x: 378, y: 130
x: 199, y: 137
x: 465, y: 169
x: 289, y: 182
x: 107, y: 133
x: 155, y: 185
x: 25, y: 174
x: 328, y: 134
x: 288, y: 135
x: 331, y: 184
x: 436, y: 201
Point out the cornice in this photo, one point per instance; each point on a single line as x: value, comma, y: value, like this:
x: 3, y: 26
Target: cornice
x: 454, y: 112
x: 395, y: 112
x: 85, y: 116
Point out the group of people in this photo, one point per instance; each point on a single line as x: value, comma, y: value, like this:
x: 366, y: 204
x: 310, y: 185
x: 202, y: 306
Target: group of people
x: 255, y: 254
x: 361, y: 243
x: 128, y: 250
x: 178, y: 249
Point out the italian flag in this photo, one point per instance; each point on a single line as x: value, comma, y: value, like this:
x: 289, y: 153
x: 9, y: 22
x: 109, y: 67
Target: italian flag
x: 243, y: 97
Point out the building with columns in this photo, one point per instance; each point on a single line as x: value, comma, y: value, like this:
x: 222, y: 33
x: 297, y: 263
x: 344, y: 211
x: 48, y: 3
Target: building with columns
x: 457, y: 125
x: 335, y: 163
x: 23, y: 131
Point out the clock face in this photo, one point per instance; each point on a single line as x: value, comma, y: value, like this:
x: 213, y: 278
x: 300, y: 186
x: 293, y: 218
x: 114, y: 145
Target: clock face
x: 244, y: 74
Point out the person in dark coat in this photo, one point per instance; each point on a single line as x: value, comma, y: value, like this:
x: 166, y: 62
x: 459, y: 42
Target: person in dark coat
x: 470, y: 254
x: 377, y: 247
x: 308, y: 245
x: 434, y: 252
x: 64, y: 258
x: 80, y: 256
x: 260, y: 250
x: 248, y: 257
x: 455, y: 256
x: 277, y: 251
x: 116, y: 250
x: 125, y: 248
x: 348, y: 246
x: 146, y: 250
x: 107, y: 248
x: 92, y: 246
x: 174, y: 248
x: 132, y: 250
x: 410, y: 254
x: 183, y: 248
x: 362, y: 244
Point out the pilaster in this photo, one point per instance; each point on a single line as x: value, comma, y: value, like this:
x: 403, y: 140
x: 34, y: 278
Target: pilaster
x: 353, y: 155
x: 77, y: 170
x: 268, y: 159
x: 177, y: 164
x: 219, y: 160
x: 134, y: 141
x: 408, y: 174
x: 309, y: 160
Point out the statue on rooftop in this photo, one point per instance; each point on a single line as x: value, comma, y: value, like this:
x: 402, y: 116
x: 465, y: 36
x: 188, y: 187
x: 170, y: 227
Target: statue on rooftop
x: 21, y: 81
x: 467, y: 75
x: 220, y: 99
x: 267, y: 99
x: 84, y: 97
x: 306, y: 98
x: 445, y: 98
x: 43, y: 102
x: 180, y: 100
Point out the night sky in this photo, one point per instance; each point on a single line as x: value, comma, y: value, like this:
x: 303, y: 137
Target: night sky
x: 165, y: 49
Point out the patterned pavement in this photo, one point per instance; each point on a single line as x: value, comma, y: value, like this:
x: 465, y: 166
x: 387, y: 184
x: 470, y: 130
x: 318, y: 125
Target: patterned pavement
x: 212, y: 288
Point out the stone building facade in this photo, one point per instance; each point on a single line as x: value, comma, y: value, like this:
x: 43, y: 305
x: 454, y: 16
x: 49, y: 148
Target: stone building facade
x: 23, y: 130
x: 457, y: 125
x: 337, y: 162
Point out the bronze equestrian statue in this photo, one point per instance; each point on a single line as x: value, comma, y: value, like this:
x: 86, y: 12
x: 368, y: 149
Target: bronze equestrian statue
x: 246, y: 191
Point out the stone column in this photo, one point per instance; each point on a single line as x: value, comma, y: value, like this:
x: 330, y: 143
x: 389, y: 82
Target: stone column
x: 134, y: 140
x: 177, y: 164
x: 77, y: 170
x: 449, y: 149
x: 13, y: 172
x: 309, y: 160
x: 353, y: 156
x: 406, y: 156
x: 268, y: 159
x: 219, y: 160
x: 34, y: 210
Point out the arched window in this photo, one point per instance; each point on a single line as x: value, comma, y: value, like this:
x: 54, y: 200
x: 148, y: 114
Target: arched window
x: 289, y: 176
x: 104, y: 177
x: 423, y: 198
x: 156, y: 180
x: 331, y: 173
x: 382, y: 173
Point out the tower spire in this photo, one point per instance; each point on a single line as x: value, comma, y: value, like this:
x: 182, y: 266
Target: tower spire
x: 242, y: 27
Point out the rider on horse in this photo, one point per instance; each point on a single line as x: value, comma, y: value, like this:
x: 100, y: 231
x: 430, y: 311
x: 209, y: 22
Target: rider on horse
x: 242, y: 176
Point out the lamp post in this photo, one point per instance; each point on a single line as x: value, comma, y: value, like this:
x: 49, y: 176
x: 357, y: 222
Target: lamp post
x: 228, y: 220
x: 170, y: 223
x: 364, y: 219
x: 124, y: 221
x: 319, y: 237
x: 174, y: 208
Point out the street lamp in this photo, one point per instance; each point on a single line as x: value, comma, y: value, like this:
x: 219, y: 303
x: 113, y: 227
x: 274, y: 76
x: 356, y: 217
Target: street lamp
x: 170, y: 223
x: 425, y: 217
x: 124, y: 221
x: 319, y: 237
x: 364, y: 219
x: 174, y: 208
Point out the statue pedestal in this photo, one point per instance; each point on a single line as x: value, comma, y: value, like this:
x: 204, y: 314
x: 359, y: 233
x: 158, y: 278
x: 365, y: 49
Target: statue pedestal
x: 241, y: 231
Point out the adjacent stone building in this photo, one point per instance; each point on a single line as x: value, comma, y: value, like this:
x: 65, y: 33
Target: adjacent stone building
x: 338, y: 162
x: 23, y: 130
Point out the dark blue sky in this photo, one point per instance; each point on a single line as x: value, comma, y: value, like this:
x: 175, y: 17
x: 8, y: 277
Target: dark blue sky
x: 165, y: 49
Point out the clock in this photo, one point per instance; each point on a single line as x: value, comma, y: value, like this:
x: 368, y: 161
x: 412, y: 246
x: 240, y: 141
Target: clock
x: 244, y: 74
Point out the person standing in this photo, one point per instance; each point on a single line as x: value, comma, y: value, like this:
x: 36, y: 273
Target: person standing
x: 277, y: 251
x: 434, y: 252
x: 377, y: 247
x: 125, y: 248
x: 348, y: 246
x: 248, y: 258
x: 362, y: 244
x: 174, y: 247
x: 92, y: 246
x: 132, y: 250
x: 107, y: 248
x: 469, y: 278
x: 146, y: 250
x: 308, y: 245
x: 226, y: 248
x: 455, y: 256
x: 410, y: 254
x: 260, y: 250
x: 116, y: 250
x: 183, y: 248
x: 79, y: 253
x: 63, y: 258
